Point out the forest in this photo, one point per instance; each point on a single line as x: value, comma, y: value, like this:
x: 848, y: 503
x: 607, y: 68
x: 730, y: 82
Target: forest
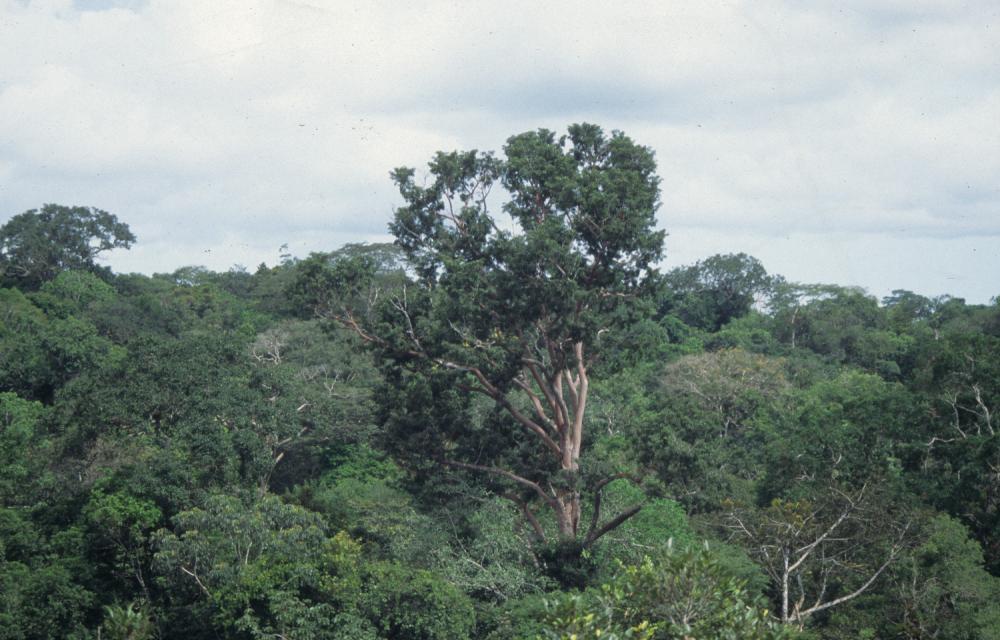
x: 510, y: 422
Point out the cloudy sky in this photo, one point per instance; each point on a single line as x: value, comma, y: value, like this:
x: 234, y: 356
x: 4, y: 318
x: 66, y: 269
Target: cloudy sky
x: 855, y: 142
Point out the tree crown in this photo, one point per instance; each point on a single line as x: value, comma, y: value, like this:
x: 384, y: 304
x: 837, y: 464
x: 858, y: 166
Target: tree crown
x: 37, y: 244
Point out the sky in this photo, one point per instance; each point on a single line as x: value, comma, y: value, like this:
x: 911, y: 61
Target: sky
x: 853, y: 142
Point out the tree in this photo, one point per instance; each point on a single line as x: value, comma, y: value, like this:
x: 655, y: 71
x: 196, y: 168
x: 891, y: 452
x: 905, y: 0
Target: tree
x: 718, y: 289
x: 714, y: 415
x: 959, y: 447
x: 512, y: 313
x: 22, y: 449
x: 121, y: 525
x: 38, y: 244
x: 816, y: 554
x: 249, y: 563
x: 73, y: 293
x: 269, y: 570
x: 943, y: 589
x: 905, y: 308
x: 677, y: 594
x: 23, y: 359
x: 130, y: 622
x: 843, y: 325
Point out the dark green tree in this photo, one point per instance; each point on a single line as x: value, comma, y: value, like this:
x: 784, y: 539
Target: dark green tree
x: 716, y: 290
x: 842, y: 324
x: 268, y: 570
x: 943, y: 589
x: 511, y: 313
x: 23, y: 451
x: 23, y: 360
x: 38, y: 244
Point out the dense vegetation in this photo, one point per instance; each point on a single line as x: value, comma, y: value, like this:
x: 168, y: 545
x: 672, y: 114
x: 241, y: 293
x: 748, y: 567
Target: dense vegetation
x: 489, y: 432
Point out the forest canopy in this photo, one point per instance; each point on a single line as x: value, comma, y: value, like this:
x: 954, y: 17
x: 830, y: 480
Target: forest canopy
x: 509, y: 423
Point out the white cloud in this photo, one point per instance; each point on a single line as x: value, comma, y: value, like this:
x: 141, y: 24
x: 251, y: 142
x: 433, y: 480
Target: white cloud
x: 217, y: 130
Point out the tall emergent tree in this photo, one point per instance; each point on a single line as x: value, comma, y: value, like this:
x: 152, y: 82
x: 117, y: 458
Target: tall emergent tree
x: 37, y: 244
x: 513, y: 313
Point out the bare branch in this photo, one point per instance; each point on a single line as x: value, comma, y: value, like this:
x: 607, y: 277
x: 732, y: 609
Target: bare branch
x: 595, y: 516
x: 498, y: 471
x: 612, y: 524
x: 561, y: 418
x: 529, y: 515
x: 536, y: 403
x: 194, y: 575
x: 854, y: 594
x: 808, y: 549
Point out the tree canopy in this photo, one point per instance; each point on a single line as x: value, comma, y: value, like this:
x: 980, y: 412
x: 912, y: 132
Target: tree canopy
x: 38, y: 244
x: 536, y: 435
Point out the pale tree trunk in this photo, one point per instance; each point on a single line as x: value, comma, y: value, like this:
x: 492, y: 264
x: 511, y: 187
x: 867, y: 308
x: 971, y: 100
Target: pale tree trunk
x: 557, y: 387
x: 558, y: 398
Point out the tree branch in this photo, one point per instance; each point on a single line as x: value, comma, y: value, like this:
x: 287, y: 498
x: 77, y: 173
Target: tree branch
x: 534, y: 486
x: 595, y: 517
x: 561, y: 419
x: 197, y: 580
x: 581, y: 401
x: 854, y: 594
x: 612, y: 524
x: 529, y: 515
x: 500, y: 398
x: 536, y: 402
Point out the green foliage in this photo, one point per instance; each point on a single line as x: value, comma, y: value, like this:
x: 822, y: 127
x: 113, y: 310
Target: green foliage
x: 73, y: 292
x: 841, y: 430
x: 661, y: 522
x: 74, y: 347
x: 23, y: 359
x: 957, y: 449
x: 717, y: 290
x: 147, y: 425
x: 942, y: 588
x: 39, y: 354
x: 491, y: 557
x: 121, y: 525
x: 38, y: 244
x: 845, y: 325
x: 23, y: 450
x: 577, y: 617
x: 714, y: 412
x: 269, y: 568
x: 752, y: 332
x: 415, y: 605
x: 676, y: 594
x: 41, y: 602
x: 158, y: 396
x: 811, y: 549
x: 130, y: 622
x: 371, y: 510
x: 250, y: 562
